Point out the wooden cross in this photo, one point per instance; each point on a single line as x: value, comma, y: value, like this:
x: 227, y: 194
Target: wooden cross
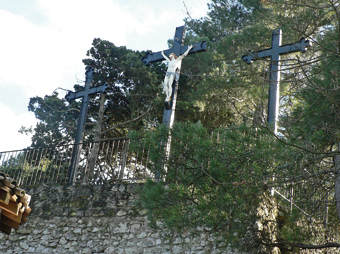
x: 274, y: 52
x: 82, y: 118
x: 178, y: 48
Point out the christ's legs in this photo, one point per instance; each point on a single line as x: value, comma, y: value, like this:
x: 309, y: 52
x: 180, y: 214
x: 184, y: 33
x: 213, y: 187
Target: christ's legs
x: 171, y: 79
x: 165, y: 82
x: 168, y: 86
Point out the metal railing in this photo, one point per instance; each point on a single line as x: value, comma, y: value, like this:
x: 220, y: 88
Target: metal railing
x: 315, y: 204
x: 100, y: 162
x: 110, y: 161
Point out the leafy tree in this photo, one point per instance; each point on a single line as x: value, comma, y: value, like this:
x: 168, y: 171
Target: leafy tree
x: 128, y: 103
x: 133, y: 86
x: 57, y: 120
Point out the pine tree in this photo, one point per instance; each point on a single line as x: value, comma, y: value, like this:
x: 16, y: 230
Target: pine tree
x: 223, y: 184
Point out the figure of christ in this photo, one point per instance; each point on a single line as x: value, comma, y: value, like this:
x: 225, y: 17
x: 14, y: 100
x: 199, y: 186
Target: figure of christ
x: 174, y: 64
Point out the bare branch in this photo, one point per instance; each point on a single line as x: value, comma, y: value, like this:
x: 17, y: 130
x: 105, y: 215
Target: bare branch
x: 310, y: 246
x: 126, y: 122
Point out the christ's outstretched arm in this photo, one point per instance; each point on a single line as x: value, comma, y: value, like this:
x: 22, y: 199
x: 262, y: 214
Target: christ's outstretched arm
x: 185, y: 53
x: 166, y: 58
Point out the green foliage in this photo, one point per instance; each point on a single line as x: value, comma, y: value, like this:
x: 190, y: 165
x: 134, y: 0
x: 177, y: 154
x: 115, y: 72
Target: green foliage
x: 133, y: 86
x: 207, y: 183
x: 132, y: 92
x: 56, y: 120
x: 216, y: 182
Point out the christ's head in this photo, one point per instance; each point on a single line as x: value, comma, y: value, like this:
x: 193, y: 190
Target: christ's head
x: 172, y: 56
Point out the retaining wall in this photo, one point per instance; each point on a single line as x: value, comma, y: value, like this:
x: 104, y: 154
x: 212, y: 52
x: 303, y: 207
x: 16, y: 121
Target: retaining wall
x: 94, y: 219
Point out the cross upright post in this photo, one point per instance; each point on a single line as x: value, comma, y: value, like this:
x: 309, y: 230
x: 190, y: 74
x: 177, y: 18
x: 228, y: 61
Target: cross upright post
x: 178, y: 48
x: 274, y: 53
x: 84, y: 94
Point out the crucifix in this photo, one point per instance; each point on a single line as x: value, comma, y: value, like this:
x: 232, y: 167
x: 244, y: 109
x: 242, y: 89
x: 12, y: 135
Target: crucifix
x: 84, y: 94
x: 274, y: 53
x: 172, y: 76
x: 180, y: 50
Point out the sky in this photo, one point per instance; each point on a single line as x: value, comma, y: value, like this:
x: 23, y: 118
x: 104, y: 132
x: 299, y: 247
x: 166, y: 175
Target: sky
x: 43, y: 43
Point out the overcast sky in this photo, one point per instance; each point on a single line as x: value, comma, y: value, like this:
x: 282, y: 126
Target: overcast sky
x: 43, y: 43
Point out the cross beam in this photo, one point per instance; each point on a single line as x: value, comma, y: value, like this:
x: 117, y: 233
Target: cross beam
x: 274, y: 53
x: 84, y: 94
x: 178, y: 48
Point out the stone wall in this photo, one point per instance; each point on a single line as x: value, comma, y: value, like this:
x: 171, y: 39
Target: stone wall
x: 94, y: 219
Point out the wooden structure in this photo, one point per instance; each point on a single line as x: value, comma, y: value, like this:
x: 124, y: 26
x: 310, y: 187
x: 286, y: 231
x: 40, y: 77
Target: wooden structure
x: 14, y: 204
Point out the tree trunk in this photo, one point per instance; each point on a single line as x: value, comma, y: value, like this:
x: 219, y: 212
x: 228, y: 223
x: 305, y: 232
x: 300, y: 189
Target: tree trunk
x: 337, y: 182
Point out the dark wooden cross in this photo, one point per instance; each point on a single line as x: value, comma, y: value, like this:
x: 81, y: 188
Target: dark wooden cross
x: 178, y: 48
x: 82, y: 118
x: 274, y: 53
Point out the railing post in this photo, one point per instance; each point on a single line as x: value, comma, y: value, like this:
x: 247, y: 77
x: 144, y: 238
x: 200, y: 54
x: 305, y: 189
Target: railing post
x: 124, y: 158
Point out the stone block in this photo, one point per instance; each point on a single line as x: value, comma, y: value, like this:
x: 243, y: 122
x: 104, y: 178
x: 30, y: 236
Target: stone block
x: 24, y: 245
x: 40, y: 249
x: 89, y: 223
x: 135, y: 227
x: 86, y: 251
x: 90, y: 244
x: 62, y: 241
x: 142, y: 235
x: 178, y: 240
x: 70, y: 237
x: 31, y: 250
x: 43, y: 242
x: 53, y: 244
x: 177, y: 250
x: 77, y: 231
x: 122, y: 228
x: 95, y: 230
x: 85, y: 237
x: 24, y: 231
x: 121, y: 213
x: 149, y: 242
x: 13, y: 238
x: 130, y: 243
x: 110, y: 250
x: 133, y: 250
